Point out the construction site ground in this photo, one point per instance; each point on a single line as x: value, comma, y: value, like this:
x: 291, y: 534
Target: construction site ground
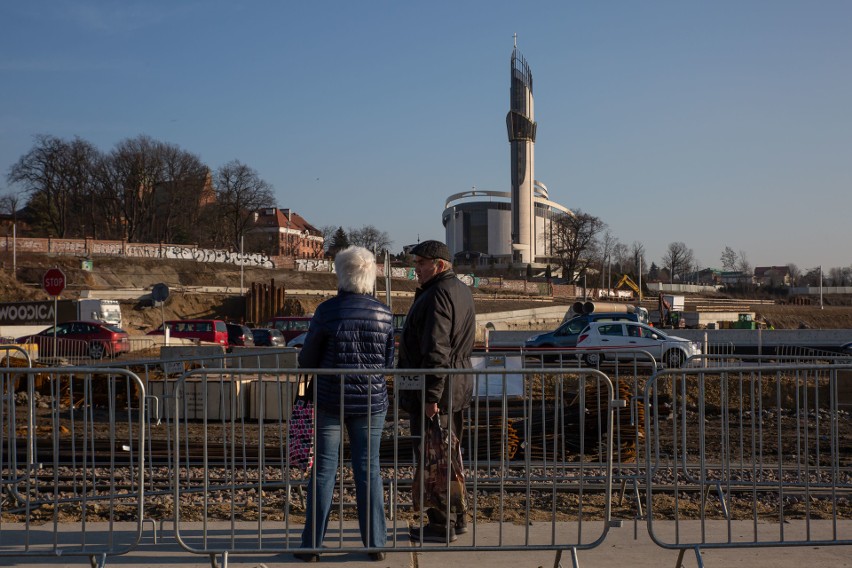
x: 185, y: 277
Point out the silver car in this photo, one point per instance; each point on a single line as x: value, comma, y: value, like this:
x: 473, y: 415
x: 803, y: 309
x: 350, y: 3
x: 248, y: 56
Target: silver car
x: 608, y: 340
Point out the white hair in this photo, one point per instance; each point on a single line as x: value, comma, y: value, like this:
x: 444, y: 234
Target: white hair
x: 356, y: 270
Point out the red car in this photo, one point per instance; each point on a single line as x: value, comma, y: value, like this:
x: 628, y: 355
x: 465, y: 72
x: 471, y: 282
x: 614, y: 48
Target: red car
x: 93, y: 339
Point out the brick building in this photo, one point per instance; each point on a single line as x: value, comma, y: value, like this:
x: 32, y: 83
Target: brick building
x: 283, y: 233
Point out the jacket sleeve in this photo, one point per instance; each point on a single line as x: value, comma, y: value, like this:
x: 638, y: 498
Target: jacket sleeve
x: 389, y: 350
x: 435, y: 343
x: 310, y: 356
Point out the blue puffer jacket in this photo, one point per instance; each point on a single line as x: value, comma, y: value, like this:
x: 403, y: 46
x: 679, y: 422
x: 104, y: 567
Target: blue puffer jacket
x: 350, y: 331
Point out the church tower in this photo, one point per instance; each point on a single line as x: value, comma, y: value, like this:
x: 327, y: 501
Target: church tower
x: 521, y: 126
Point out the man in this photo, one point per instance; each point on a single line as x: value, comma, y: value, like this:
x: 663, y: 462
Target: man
x: 438, y: 334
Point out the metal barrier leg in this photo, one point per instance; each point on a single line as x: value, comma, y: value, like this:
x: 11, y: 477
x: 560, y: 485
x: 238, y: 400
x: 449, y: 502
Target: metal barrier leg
x: 153, y: 527
x: 698, y: 559
x: 637, y: 499
x: 574, y: 561
x: 98, y: 561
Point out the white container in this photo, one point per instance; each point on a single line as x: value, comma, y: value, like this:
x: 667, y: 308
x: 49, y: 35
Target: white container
x: 278, y: 396
x: 226, y: 399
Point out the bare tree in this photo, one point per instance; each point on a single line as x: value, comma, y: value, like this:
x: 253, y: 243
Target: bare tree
x: 370, y: 238
x: 637, y: 252
x: 729, y: 259
x: 58, y: 174
x: 158, y: 190
x: 328, y: 232
x: 678, y: 259
x: 840, y: 276
x: 133, y: 170
x: 240, y: 191
x: 607, y: 245
x: 743, y: 265
x: 795, y: 274
x: 622, y: 260
x: 575, y: 242
x: 9, y: 204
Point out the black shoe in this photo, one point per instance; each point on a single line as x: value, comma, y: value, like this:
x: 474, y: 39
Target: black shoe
x: 432, y: 533
x: 307, y: 556
x: 377, y: 556
x: 461, y: 525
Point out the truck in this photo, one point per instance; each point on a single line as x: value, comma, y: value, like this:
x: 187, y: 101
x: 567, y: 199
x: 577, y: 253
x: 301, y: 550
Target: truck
x: 31, y: 314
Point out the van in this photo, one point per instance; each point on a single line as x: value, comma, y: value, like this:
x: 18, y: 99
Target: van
x: 567, y: 333
x: 207, y: 330
x: 290, y: 326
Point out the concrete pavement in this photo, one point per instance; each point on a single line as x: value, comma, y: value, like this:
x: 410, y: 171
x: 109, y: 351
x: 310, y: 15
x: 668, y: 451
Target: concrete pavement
x: 629, y: 545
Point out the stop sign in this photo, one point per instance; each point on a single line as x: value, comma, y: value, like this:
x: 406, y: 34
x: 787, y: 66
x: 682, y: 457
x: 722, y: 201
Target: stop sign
x: 53, y: 281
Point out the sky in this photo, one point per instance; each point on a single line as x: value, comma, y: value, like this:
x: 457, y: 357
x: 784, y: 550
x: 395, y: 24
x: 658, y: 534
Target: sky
x: 716, y: 124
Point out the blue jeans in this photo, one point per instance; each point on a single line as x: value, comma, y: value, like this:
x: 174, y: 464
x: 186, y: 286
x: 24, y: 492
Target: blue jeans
x: 365, y: 436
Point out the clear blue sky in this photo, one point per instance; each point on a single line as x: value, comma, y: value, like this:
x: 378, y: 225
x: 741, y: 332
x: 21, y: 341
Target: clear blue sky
x: 724, y: 123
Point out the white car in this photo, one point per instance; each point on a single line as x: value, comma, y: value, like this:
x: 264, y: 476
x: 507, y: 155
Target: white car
x: 298, y: 341
x: 608, y: 340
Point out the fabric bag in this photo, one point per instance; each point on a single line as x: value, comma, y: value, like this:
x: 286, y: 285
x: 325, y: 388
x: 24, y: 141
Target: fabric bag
x: 301, y: 428
x: 441, y: 460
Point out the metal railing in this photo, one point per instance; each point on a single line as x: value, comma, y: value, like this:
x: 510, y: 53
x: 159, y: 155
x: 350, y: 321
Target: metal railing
x: 706, y: 451
x: 761, y: 444
x: 71, y: 443
x: 537, y: 447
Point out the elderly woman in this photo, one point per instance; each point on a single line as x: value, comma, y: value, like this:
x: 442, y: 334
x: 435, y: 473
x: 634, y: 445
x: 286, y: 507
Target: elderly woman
x: 352, y: 330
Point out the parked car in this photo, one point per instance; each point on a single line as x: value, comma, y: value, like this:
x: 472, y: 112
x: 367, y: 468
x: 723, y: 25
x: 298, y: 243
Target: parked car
x: 566, y: 334
x: 92, y: 339
x: 613, y: 340
x: 289, y: 326
x: 846, y: 349
x: 265, y: 337
x: 240, y: 335
x: 208, y: 330
x: 298, y: 341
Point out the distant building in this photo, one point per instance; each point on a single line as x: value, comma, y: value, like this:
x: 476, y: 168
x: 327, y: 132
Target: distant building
x: 283, y: 233
x: 735, y: 278
x: 774, y: 276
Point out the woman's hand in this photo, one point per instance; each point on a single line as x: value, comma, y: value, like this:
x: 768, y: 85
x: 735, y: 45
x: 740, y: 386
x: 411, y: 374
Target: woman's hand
x: 431, y: 409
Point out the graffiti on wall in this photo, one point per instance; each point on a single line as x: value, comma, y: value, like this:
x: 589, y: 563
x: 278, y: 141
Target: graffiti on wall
x: 91, y: 247
x: 178, y: 252
x: 314, y: 265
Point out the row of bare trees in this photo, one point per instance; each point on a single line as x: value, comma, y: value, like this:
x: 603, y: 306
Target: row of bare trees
x: 142, y: 190
x: 585, y: 248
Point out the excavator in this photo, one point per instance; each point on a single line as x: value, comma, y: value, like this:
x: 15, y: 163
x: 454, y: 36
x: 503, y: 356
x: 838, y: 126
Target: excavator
x: 631, y: 284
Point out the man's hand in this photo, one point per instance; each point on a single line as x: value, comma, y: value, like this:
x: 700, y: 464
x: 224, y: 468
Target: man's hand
x: 431, y: 409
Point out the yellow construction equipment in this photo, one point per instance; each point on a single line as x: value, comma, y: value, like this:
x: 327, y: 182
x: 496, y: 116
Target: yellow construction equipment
x: 629, y: 281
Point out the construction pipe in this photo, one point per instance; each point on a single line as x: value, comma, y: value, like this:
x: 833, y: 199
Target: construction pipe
x: 590, y: 307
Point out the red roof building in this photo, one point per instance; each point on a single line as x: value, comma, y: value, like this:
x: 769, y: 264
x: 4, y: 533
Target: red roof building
x: 283, y: 233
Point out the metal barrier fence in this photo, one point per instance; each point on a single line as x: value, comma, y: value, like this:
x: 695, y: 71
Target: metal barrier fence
x: 537, y: 447
x: 77, y: 352
x: 701, y: 448
x: 762, y: 444
x: 71, y: 462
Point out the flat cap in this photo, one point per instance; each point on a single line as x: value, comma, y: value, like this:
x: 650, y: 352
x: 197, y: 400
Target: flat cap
x: 432, y: 249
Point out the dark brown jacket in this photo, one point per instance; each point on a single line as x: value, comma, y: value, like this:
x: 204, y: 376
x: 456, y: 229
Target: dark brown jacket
x: 439, y: 334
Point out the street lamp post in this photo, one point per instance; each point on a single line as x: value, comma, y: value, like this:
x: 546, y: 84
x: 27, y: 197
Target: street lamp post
x: 242, y: 263
x: 820, y: 288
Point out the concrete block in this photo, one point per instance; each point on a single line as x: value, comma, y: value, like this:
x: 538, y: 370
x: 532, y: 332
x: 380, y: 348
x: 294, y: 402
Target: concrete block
x: 208, y: 356
x: 263, y: 358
